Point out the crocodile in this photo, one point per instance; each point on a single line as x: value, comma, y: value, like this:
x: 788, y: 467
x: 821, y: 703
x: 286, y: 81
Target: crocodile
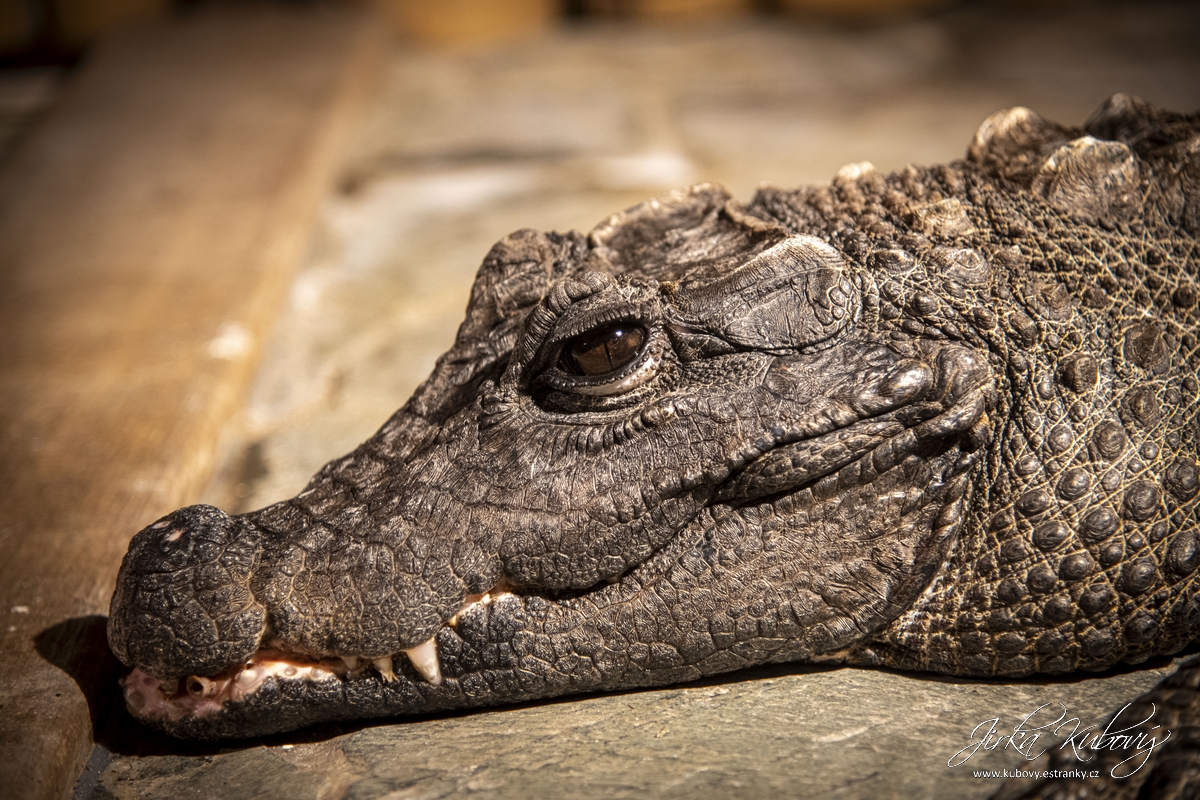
x: 943, y: 419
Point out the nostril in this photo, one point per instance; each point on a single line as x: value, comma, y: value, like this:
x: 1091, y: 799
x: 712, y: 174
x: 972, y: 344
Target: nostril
x: 173, y: 536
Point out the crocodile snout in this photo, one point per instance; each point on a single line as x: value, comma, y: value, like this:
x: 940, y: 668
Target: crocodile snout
x: 183, y: 604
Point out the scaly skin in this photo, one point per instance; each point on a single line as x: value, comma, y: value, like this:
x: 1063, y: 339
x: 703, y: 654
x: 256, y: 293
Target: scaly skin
x: 944, y: 419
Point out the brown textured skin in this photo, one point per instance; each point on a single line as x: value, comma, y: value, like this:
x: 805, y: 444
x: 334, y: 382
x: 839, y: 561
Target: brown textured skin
x: 1079, y: 543
x: 944, y: 419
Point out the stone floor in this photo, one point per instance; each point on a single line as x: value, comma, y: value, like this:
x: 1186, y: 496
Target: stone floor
x: 846, y: 733
x: 460, y: 149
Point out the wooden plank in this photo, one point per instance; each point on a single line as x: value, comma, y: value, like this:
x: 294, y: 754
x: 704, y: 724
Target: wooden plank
x: 147, y: 232
x: 467, y: 22
x: 689, y: 10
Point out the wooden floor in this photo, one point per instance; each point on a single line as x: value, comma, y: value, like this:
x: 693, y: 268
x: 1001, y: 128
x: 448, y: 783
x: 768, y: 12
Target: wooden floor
x: 147, y: 230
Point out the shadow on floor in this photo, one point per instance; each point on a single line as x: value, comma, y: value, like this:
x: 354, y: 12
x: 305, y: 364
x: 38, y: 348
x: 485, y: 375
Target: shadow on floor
x: 79, y: 647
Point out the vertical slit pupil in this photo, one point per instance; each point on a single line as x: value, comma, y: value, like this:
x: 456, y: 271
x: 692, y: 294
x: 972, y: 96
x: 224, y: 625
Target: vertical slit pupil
x: 603, y: 350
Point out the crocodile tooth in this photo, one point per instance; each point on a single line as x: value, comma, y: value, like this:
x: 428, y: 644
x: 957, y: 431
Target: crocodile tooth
x: 351, y: 662
x: 425, y: 658
x: 384, y: 665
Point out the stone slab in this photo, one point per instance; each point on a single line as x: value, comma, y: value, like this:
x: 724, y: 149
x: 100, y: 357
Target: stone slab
x: 846, y: 733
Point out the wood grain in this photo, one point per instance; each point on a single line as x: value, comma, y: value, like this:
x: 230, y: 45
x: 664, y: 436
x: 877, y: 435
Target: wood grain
x: 147, y: 233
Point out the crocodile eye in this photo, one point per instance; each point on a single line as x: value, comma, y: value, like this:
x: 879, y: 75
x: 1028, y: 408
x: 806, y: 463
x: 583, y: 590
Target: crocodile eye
x: 602, y: 351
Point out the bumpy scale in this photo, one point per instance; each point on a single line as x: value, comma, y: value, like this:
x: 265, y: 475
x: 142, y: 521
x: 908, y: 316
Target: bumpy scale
x: 944, y: 419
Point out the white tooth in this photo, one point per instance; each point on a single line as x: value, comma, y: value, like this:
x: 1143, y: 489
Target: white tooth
x: 384, y: 665
x: 425, y: 658
x: 351, y: 662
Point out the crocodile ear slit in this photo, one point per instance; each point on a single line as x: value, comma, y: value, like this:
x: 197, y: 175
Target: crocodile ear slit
x: 794, y: 296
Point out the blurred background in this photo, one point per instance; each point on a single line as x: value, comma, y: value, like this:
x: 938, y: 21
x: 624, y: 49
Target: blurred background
x: 234, y: 236
x: 722, y: 86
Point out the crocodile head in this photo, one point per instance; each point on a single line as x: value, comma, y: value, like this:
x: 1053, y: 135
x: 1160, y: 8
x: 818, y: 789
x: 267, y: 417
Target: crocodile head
x: 702, y: 437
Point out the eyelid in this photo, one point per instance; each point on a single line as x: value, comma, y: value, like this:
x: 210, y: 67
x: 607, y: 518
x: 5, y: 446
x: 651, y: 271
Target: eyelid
x: 644, y: 372
x: 572, y: 327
